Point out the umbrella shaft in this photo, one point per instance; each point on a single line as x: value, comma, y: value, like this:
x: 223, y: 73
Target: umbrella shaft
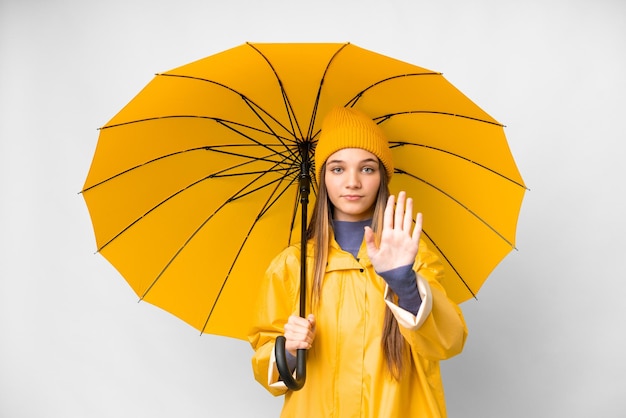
x: 305, y: 187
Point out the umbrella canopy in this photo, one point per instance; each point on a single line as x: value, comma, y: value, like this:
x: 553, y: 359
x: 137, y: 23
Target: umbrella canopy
x: 194, y: 185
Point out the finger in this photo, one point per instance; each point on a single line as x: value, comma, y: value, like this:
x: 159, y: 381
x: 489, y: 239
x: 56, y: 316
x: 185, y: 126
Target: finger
x: 294, y: 320
x: 370, y: 241
x: 417, y: 231
x: 388, y: 216
x: 304, y: 345
x: 297, y: 319
x: 298, y: 335
x: 297, y: 324
x: 399, y: 215
x: 408, y: 216
x: 301, y: 324
x: 294, y: 346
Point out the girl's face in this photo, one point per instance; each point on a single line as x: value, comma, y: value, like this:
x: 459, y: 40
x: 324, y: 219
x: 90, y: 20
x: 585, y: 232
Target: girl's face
x: 352, y: 179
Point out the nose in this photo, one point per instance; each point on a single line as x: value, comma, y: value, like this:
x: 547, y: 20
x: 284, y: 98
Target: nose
x: 354, y: 179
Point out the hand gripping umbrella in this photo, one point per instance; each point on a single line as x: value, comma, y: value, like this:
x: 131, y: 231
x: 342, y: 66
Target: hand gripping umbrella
x: 202, y: 178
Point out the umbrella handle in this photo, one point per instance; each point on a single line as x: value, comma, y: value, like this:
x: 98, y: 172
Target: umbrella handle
x: 283, y: 368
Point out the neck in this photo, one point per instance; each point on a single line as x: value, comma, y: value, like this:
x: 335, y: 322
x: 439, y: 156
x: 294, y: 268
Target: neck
x: 349, y: 235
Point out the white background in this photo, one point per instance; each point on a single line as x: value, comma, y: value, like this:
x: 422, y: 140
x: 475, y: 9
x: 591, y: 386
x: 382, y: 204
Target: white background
x: 547, y: 331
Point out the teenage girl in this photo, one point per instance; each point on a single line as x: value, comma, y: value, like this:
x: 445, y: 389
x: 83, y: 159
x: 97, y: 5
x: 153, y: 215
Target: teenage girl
x: 380, y: 320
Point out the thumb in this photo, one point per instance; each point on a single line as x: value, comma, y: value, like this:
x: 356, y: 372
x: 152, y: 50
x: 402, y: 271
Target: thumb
x: 311, y: 319
x: 370, y: 241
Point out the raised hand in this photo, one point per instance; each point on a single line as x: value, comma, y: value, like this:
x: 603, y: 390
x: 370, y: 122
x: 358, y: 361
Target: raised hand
x: 399, y: 240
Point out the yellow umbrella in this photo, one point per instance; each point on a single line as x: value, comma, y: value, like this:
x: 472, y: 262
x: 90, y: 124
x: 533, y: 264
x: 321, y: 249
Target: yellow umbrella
x: 195, y: 184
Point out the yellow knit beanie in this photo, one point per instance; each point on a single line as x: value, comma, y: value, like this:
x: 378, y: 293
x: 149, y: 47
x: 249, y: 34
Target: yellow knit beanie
x: 348, y: 128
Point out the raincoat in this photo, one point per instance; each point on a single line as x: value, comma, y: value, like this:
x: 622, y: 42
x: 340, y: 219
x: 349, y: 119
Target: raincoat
x: 347, y: 375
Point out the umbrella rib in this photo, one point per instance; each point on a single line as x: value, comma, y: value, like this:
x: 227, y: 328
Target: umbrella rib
x: 319, y: 90
x: 271, y: 203
x: 288, y: 172
x: 217, y: 174
x: 246, y: 99
x: 484, y: 167
x: 266, y: 206
x: 288, y: 107
x: 221, y: 121
x: 278, y: 137
x: 381, y: 119
x: 242, y: 195
x: 360, y: 94
x: 203, y: 148
x: 443, y: 254
x: 234, y: 196
x: 226, y: 123
x: 458, y: 202
x: 352, y: 102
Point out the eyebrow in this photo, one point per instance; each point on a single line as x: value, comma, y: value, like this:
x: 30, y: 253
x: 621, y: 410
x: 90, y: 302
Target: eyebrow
x: 367, y: 160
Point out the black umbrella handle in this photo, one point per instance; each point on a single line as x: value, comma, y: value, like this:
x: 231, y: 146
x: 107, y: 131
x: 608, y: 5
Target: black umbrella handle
x: 283, y: 369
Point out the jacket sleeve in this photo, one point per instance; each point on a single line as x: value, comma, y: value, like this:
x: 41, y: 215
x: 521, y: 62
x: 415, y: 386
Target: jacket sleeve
x: 275, y: 302
x: 438, y: 331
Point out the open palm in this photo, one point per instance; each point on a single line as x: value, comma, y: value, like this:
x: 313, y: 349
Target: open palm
x: 399, y: 240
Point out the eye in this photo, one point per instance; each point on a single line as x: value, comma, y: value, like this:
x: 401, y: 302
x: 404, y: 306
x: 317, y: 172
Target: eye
x: 336, y: 170
x: 368, y: 170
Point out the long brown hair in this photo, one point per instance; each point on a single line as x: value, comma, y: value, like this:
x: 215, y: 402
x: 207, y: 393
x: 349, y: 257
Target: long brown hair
x: 319, y: 228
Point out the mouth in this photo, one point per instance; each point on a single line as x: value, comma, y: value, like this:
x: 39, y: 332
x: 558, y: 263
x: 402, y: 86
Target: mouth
x: 352, y: 197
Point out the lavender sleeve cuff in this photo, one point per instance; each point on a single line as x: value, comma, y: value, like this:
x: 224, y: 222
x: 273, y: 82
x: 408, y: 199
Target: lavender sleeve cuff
x: 403, y: 282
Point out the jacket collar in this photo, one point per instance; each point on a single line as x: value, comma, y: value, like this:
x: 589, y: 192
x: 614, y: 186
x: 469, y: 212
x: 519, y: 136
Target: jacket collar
x: 339, y: 259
